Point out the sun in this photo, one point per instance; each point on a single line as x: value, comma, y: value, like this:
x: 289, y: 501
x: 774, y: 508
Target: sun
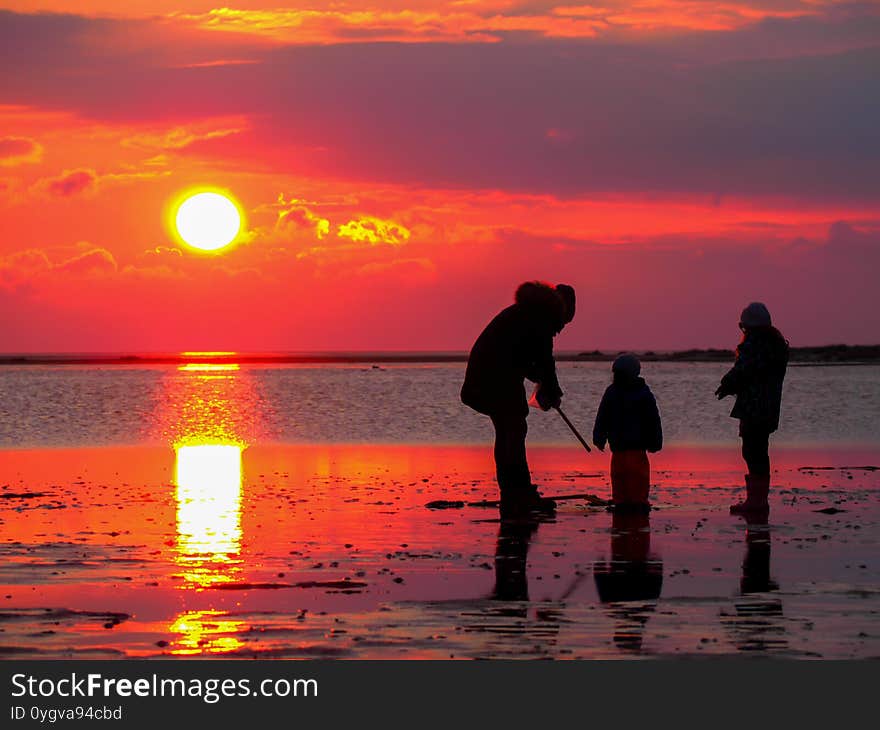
x: 208, y: 221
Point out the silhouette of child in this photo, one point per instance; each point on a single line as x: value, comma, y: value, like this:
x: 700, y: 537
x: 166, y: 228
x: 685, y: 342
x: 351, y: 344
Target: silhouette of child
x: 629, y: 421
x: 756, y: 381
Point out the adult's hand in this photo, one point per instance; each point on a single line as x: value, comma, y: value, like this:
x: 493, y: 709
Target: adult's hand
x: 546, y: 402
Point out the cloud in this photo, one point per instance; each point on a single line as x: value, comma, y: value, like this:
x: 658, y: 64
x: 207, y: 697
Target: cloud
x: 493, y: 21
x: 734, y: 112
x: 295, y: 214
x: 374, y: 231
x: 19, y: 151
x: 83, y: 181
x: 219, y: 62
x: 636, y: 295
x: 180, y: 137
x: 314, y: 26
x: 22, y: 268
x: 69, y: 183
x: 92, y: 261
x: 162, y: 251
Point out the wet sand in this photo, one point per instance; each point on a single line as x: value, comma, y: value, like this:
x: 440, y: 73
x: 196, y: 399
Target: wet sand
x: 329, y: 551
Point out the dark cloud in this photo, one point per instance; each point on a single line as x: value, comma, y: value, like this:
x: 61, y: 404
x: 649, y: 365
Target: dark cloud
x: 697, y: 115
x: 70, y: 182
x: 18, y: 150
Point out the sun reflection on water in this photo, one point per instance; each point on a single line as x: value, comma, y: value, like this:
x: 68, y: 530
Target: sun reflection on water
x: 209, y: 484
x: 206, y: 632
x: 208, y: 367
x: 209, y: 412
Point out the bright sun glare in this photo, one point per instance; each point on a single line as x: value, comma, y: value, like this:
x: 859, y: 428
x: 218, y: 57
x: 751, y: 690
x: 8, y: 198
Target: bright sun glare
x: 208, y: 221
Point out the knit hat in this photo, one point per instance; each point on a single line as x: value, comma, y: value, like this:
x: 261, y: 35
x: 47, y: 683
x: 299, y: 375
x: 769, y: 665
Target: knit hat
x: 566, y: 293
x: 627, y: 364
x: 755, y: 315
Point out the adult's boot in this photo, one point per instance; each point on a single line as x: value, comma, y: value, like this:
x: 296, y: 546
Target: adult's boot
x: 757, y: 490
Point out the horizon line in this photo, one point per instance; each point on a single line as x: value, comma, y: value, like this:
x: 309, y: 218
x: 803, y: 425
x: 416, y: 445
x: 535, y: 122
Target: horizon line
x: 384, y: 356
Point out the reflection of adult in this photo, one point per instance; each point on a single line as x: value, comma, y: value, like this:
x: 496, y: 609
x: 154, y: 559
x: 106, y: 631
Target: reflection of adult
x: 518, y: 344
x: 511, y: 557
x: 633, y: 576
x: 756, y: 564
x: 756, y: 381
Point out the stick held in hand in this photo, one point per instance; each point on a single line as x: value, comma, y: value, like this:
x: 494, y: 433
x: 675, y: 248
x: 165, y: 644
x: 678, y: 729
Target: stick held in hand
x: 573, y: 429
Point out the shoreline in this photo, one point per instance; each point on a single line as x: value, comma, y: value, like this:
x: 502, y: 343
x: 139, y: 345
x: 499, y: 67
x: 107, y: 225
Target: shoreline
x: 563, y: 450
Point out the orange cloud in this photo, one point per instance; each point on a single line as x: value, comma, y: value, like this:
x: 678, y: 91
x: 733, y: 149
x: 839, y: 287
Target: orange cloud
x: 19, y: 151
x: 374, y: 231
x: 298, y: 215
x: 178, y: 138
x: 22, y: 267
x: 95, y: 260
x: 373, y: 24
x: 488, y: 21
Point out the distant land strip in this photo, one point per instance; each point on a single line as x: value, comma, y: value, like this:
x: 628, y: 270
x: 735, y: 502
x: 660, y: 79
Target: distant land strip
x: 822, y: 355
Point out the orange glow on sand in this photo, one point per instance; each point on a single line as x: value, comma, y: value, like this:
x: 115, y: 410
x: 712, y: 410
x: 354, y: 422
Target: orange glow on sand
x: 330, y: 536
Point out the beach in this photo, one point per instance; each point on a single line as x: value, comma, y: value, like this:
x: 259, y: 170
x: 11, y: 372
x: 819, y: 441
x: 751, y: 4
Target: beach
x: 357, y: 359
x: 328, y: 550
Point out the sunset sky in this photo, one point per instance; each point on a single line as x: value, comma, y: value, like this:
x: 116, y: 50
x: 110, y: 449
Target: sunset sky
x: 403, y: 164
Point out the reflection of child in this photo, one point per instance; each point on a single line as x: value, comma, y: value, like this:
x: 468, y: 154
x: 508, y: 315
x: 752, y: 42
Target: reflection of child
x: 628, y: 419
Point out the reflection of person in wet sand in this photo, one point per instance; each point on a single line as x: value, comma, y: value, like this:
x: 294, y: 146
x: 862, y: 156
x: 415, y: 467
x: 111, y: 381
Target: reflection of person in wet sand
x: 758, y: 625
x: 511, y: 556
x: 756, y: 381
x: 756, y: 564
x: 631, y: 580
x: 518, y: 344
x: 511, y: 625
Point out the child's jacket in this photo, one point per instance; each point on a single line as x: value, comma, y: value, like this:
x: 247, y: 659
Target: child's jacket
x: 628, y: 418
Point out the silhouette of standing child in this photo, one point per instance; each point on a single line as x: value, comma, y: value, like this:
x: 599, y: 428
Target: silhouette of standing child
x: 518, y: 344
x: 629, y: 421
x: 756, y: 381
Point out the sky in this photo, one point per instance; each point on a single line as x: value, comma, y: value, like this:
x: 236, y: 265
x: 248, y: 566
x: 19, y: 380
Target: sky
x: 403, y: 166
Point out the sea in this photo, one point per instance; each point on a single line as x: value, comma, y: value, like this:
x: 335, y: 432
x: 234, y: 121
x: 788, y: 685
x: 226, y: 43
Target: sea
x: 73, y: 405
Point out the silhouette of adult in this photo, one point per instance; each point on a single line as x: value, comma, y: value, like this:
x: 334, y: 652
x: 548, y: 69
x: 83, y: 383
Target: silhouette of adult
x: 516, y: 345
x: 756, y: 381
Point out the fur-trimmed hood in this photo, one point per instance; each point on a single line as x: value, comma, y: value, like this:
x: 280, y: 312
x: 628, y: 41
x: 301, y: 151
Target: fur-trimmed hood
x: 543, y: 300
